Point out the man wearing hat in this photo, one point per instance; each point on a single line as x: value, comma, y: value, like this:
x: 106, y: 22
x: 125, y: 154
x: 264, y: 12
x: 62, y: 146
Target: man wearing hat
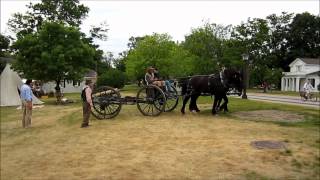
x: 87, y: 103
x: 150, y: 79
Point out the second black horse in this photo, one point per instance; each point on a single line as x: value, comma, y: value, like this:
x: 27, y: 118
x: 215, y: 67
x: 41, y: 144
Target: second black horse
x: 215, y: 85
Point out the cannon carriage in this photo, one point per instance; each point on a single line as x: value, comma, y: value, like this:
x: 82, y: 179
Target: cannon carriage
x: 150, y: 100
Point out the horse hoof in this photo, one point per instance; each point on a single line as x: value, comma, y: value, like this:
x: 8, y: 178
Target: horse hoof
x: 194, y: 111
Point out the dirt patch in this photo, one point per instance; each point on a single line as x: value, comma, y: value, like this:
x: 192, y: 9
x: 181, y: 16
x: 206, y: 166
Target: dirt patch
x: 269, y: 115
x: 268, y: 144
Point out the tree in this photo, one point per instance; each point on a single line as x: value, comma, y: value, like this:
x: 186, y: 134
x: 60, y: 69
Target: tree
x: 205, y: 43
x: 113, y: 78
x: 153, y: 50
x: 4, y: 50
x: 253, y: 37
x: 278, y: 42
x: 69, y: 12
x: 100, y: 32
x: 160, y: 51
x: 304, y: 40
x: 55, y: 52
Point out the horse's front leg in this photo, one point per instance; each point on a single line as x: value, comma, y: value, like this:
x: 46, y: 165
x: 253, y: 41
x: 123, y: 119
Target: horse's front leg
x: 224, y: 106
x: 185, y: 101
x: 214, y: 111
x: 218, y: 107
x: 193, y: 102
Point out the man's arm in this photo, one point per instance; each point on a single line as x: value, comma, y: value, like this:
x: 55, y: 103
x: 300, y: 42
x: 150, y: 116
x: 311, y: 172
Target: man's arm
x: 29, y: 98
x: 149, y: 78
x: 88, y: 96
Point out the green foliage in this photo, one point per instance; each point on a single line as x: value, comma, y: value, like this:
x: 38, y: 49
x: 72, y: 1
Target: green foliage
x: 55, y: 52
x: 4, y: 43
x: 254, y: 37
x: 67, y: 11
x: 160, y: 51
x: 262, y: 74
x: 279, y: 35
x: 304, y: 40
x: 4, y: 50
x: 232, y: 54
x: 206, y: 44
x: 113, y: 78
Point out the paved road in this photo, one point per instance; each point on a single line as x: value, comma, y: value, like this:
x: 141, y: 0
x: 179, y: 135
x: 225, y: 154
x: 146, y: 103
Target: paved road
x: 283, y: 99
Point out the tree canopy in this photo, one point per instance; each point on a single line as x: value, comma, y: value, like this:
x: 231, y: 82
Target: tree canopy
x: 160, y: 51
x: 55, y: 52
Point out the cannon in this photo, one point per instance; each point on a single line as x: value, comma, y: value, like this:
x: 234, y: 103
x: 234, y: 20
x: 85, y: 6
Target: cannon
x: 150, y: 100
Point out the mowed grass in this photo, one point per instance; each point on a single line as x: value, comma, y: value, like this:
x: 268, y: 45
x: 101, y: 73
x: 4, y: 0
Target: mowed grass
x: 170, y: 146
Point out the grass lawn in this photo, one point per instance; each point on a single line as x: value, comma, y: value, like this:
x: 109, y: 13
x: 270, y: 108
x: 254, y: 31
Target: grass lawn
x: 169, y: 146
x: 278, y: 92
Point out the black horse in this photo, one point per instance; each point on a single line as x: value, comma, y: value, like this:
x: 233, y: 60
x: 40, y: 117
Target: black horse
x: 214, y: 84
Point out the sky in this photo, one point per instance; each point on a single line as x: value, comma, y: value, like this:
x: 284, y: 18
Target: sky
x: 177, y: 18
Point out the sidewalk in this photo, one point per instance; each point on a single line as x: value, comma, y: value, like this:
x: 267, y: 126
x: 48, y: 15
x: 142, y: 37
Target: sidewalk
x: 282, y: 99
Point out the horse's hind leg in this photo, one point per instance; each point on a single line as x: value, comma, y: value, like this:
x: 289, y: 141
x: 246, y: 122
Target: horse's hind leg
x: 185, y: 101
x: 195, y: 103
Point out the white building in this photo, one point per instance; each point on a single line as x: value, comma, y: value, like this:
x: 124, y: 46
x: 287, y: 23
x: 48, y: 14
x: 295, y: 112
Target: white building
x: 70, y: 86
x: 301, y: 69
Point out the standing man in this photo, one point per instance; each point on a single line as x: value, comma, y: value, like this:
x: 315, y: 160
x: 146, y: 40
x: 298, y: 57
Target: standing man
x: 26, y: 98
x: 87, y: 103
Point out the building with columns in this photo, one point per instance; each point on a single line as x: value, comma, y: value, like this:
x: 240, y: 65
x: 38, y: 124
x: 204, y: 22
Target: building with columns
x: 301, y: 69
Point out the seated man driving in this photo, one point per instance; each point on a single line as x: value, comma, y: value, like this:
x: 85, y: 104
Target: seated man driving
x: 150, y: 79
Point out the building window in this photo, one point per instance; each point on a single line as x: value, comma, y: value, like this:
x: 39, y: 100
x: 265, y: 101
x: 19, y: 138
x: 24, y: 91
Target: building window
x: 298, y: 68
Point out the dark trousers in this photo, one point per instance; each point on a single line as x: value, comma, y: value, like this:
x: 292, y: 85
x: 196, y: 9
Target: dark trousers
x: 86, y: 113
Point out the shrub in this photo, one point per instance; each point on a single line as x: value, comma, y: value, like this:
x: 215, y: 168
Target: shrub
x: 113, y: 78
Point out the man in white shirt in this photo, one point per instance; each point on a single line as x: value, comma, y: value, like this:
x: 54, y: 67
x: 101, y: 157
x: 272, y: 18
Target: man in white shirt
x: 307, y: 88
x: 26, y: 98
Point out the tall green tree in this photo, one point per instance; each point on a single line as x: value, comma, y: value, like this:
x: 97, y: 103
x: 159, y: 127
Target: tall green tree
x: 70, y: 12
x: 55, y: 52
x: 160, y: 51
x: 4, y: 50
x: 206, y: 45
x: 253, y: 37
x: 279, y: 31
x: 304, y: 40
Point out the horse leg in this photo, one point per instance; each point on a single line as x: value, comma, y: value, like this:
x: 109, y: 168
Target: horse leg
x: 193, y: 103
x: 218, y: 108
x: 214, y: 105
x: 185, y: 101
x: 224, y: 106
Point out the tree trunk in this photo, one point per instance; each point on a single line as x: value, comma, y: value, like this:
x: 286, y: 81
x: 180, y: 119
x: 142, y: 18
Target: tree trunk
x: 58, y: 91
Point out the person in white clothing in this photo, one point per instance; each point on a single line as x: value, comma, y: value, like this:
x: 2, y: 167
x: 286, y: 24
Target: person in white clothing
x: 307, y: 88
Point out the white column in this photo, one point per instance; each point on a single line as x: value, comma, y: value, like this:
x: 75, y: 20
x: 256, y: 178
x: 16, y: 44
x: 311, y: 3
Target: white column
x: 297, y: 84
x: 292, y: 84
x: 286, y: 84
x: 282, y: 84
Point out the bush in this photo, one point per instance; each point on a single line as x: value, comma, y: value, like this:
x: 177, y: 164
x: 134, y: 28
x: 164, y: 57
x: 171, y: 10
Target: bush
x: 113, y: 78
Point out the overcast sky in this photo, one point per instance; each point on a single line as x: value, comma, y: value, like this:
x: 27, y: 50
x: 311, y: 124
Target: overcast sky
x: 138, y: 18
